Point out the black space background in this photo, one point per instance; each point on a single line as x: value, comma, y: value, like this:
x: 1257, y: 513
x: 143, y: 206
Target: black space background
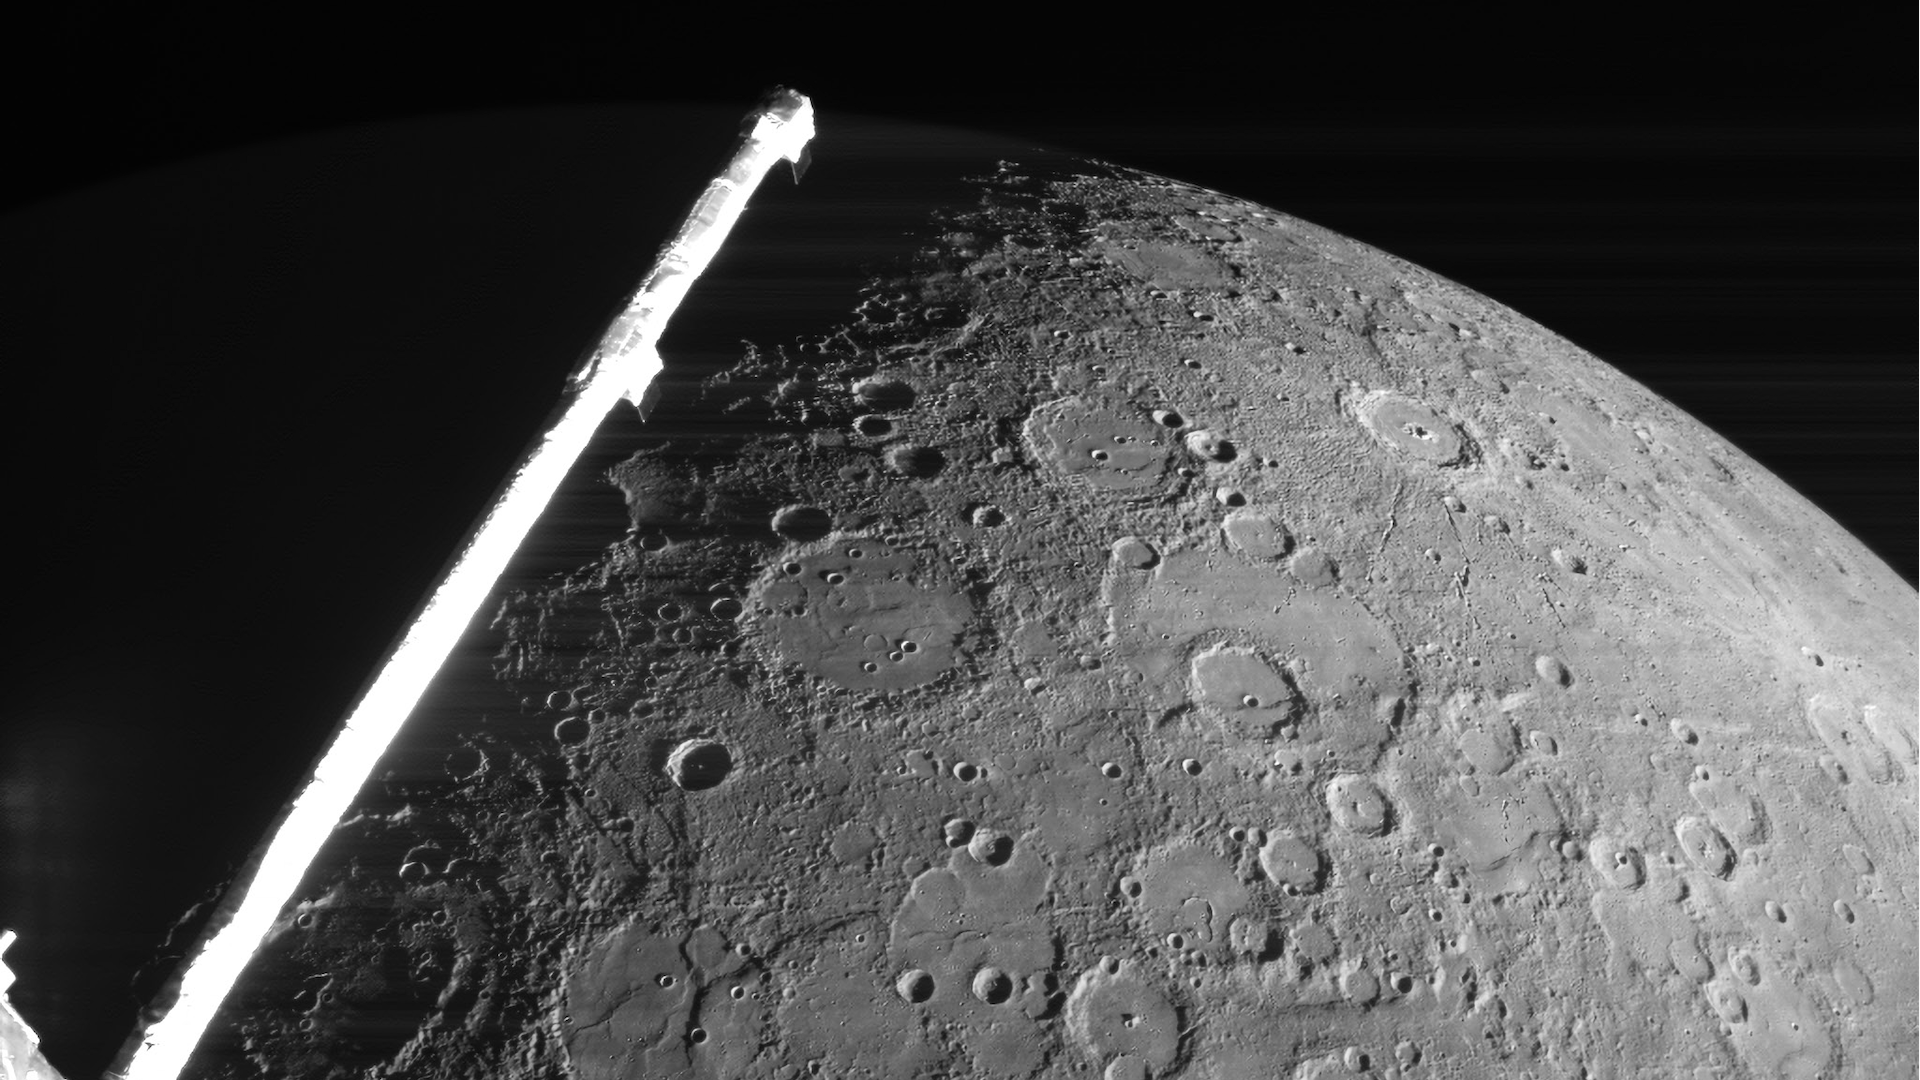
x: 211, y: 551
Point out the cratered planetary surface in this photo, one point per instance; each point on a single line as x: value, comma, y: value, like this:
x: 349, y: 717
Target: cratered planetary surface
x: 1144, y: 634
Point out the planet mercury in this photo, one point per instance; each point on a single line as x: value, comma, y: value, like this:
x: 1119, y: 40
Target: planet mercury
x: 1147, y: 635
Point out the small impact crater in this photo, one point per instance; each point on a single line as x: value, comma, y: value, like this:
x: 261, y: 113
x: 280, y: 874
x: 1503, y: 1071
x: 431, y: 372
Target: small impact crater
x: 919, y: 462
x: 801, y: 523
x: 885, y: 393
x: 1410, y: 428
x: 699, y: 764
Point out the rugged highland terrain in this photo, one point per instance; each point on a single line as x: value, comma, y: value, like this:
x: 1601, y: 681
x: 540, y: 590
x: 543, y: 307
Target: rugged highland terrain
x: 1150, y: 636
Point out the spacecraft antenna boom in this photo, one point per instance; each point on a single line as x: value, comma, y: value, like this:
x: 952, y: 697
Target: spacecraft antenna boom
x: 623, y: 365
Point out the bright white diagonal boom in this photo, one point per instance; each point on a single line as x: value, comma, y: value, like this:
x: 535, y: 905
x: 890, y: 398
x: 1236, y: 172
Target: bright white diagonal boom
x: 623, y: 366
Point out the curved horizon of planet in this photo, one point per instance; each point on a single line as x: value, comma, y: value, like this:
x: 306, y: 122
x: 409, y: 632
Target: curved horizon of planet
x: 1352, y: 677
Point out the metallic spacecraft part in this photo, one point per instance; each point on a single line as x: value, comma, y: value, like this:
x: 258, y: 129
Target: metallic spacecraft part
x: 623, y: 365
x: 20, y: 1057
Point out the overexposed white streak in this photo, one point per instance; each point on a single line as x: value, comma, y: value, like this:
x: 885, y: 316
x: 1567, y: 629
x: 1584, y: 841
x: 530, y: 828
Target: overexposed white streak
x: 624, y: 365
